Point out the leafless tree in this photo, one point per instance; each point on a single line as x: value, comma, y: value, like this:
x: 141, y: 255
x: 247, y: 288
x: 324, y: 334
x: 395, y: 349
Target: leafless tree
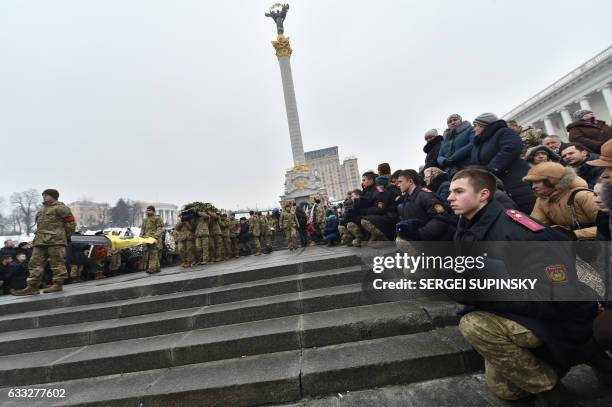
x: 26, y: 203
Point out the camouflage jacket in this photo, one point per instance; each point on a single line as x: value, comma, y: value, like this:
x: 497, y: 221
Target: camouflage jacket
x: 319, y: 214
x: 531, y: 137
x: 264, y: 228
x: 254, y: 226
x: 213, y: 226
x: 184, y: 231
x: 54, y: 225
x: 153, y: 226
x: 234, y: 229
x: 202, y: 224
x: 288, y: 221
x: 224, y: 225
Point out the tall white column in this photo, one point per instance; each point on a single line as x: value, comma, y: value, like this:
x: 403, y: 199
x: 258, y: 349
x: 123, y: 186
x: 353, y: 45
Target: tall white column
x: 565, y: 115
x: 584, y: 104
x: 606, y: 91
x: 293, y: 119
x: 549, y: 125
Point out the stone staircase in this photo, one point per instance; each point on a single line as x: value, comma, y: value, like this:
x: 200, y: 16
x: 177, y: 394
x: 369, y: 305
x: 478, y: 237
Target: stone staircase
x: 280, y: 328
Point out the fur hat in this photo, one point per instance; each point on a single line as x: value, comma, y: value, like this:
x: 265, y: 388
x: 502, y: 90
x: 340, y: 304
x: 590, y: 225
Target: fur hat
x: 431, y: 133
x: 453, y: 116
x: 553, y: 172
x: 51, y: 192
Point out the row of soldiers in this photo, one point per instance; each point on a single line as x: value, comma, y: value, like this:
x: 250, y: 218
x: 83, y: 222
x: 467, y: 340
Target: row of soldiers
x: 207, y: 235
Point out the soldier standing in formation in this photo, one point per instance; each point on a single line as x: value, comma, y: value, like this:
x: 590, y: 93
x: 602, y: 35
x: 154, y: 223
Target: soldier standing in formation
x: 234, y: 230
x: 225, y: 236
x: 217, y: 241
x: 152, y: 226
x: 201, y: 238
x: 54, y: 227
x: 255, y: 231
x: 289, y: 225
x: 184, y: 235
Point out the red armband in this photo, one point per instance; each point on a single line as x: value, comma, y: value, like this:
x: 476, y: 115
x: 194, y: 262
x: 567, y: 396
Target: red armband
x: 69, y: 219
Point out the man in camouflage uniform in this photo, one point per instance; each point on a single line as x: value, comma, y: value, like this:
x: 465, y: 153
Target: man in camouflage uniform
x: 115, y: 257
x: 319, y: 218
x: 201, y: 238
x: 255, y: 231
x: 54, y: 226
x: 152, y: 226
x: 184, y: 236
x: 215, y: 231
x: 530, y: 136
x: 234, y: 230
x: 225, y: 236
x: 266, y: 235
x: 289, y: 225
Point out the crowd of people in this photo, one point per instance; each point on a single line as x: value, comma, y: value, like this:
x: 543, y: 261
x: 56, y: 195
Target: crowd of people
x: 489, y: 180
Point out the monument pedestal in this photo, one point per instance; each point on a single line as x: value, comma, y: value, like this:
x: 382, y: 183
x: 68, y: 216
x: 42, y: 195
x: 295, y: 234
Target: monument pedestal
x: 302, y: 186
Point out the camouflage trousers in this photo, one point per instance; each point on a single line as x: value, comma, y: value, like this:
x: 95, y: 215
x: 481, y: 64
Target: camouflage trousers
x: 55, y: 256
x: 354, y: 231
x: 219, y: 248
x: 115, y: 261
x: 373, y: 232
x: 234, y: 247
x: 186, y: 251
x: 511, y: 370
x: 201, y: 247
x: 151, y: 258
x: 75, y: 271
x: 266, y: 240
x: 227, y: 248
x: 291, y: 238
x: 256, y: 244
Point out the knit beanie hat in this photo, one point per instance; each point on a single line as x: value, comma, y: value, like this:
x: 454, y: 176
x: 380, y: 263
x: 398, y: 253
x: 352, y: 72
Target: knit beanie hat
x: 51, y: 192
x: 431, y: 133
x: 454, y: 116
x: 485, y: 119
x: 579, y: 113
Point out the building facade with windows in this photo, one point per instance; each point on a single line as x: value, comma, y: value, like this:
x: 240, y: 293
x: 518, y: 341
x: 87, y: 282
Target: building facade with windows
x: 587, y: 87
x: 337, y: 178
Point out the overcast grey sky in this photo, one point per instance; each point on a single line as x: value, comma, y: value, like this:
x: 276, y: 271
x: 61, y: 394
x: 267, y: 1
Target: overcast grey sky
x: 176, y: 101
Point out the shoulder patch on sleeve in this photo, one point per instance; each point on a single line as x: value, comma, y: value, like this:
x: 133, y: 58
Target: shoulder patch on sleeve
x: 524, y: 220
x: 426, y: 189
x: 439, y: 208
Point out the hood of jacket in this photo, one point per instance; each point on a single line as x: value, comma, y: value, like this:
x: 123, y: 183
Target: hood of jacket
x: 531, y: 152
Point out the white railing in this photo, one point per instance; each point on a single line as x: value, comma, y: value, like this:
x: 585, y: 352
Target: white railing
x: 596, y: 60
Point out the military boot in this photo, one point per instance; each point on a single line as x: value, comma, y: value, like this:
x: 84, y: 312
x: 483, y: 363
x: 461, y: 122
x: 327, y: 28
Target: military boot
x: 56, y: 287
x: 356, y: 242
x: 99, y: 275
x: 29, y: 290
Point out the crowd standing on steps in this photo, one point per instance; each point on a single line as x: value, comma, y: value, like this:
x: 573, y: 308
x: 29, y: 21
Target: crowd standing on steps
x: 485, y: 180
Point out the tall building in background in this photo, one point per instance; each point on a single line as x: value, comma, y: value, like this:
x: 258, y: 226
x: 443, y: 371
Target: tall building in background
x: 337, y: 178
x: 90, y: 214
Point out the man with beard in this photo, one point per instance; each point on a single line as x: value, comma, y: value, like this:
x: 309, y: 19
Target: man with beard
x: 361, y: 203
x: 380, y: 218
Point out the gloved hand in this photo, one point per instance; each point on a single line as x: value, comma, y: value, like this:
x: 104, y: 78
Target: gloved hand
x: 449, y: 162
x: 408, y: 229
x: 569, y: 234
